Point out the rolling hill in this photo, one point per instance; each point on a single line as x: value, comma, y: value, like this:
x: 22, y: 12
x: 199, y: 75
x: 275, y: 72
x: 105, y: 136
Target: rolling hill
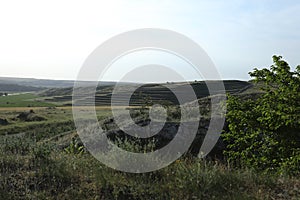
x: 155, y: 93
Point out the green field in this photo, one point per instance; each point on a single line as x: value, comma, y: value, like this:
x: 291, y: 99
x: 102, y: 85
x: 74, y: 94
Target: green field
x: 23, y: 100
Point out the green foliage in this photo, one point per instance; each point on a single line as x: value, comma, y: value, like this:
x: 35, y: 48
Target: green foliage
x: 75, y: 147
x: 264, y: 133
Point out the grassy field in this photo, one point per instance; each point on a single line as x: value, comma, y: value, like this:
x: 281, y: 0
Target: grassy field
x: 22, y: 100
x: 37, y: 165
x: 56, y: 119
x: 40, y: 161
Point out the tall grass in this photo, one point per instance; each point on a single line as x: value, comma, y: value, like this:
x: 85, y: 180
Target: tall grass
x: 31, y: 170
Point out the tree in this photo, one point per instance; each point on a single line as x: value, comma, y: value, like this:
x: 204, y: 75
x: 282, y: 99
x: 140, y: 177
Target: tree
x: 264, y: 133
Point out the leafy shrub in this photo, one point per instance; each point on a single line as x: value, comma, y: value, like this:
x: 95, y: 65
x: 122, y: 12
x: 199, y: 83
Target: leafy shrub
x: 265, y: 133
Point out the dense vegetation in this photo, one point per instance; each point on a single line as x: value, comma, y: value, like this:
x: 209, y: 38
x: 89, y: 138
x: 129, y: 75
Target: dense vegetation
x: 264, y: 133
x: 32, y: 169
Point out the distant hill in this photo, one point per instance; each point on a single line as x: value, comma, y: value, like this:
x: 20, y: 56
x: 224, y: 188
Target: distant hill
x: 18, y: 88
x: 31, y: 82
x: 43, y: 83
x: 61, y: 90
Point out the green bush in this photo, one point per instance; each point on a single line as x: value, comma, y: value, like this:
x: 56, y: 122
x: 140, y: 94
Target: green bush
x: 264, y: 133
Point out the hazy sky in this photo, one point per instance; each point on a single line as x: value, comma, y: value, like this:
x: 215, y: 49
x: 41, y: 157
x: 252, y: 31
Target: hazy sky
x: 51, y: 39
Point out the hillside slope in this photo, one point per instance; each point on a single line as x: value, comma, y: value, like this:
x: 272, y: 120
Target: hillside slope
x: 154, y: 93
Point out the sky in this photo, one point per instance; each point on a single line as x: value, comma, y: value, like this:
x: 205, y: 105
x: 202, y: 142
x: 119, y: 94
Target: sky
x: 52, y: 39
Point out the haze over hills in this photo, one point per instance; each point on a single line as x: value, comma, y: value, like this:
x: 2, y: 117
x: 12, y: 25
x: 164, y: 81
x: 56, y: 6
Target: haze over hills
x: 50, y: 83
x: 13, y: 84
x: 46, y: 83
